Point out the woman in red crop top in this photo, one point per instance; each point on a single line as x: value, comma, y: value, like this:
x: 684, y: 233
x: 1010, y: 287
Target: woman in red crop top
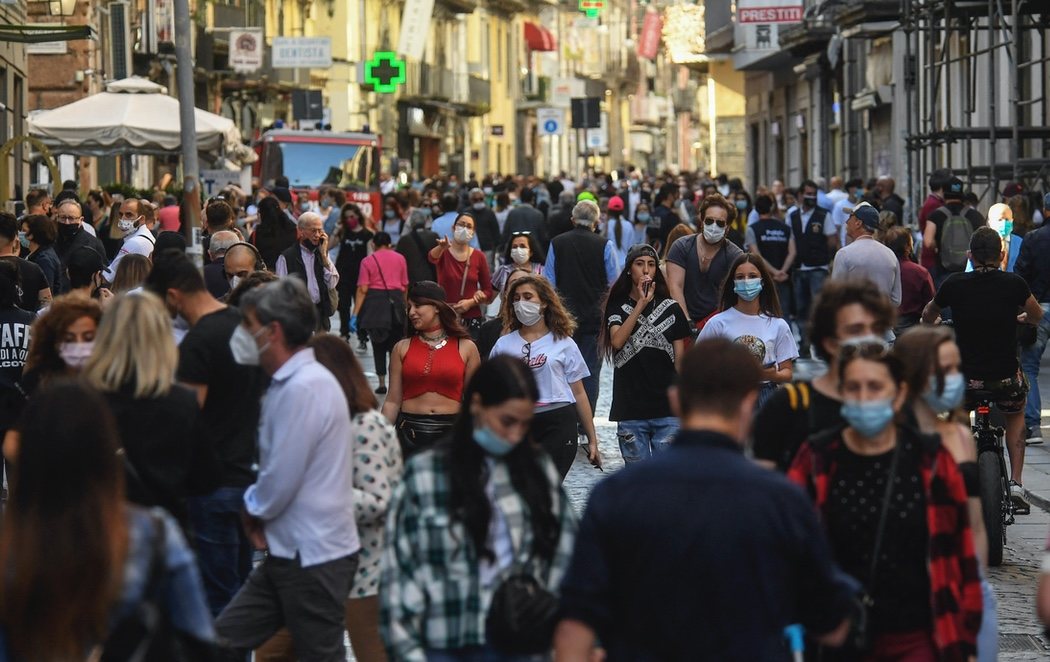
x: 428, y: 370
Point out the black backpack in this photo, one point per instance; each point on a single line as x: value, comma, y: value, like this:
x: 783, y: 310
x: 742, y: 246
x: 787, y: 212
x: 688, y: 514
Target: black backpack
x: 955, y: 240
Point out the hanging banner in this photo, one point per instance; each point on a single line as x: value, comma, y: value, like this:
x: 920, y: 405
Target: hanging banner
x: 649, y: 40
x: 415, y: 25
x: 246, y: 50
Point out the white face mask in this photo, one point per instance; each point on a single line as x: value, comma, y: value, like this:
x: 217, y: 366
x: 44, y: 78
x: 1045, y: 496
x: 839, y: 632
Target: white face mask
x: 527, y: 312
x: 75, y: 354
x: 243, y: 347
x: 234, y: 282
x: 126, y: 225
x: 463, y: 235
x: 519, y: 255
x: 713, y: 233
x: 479, y: 205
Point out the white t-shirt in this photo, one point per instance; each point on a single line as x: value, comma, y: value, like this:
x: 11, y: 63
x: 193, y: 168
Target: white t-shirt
x: 555, y: 362
x: 768, y: 338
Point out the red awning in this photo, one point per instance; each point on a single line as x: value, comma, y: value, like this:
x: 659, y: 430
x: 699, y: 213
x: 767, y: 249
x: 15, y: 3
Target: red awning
x: 539, y: 38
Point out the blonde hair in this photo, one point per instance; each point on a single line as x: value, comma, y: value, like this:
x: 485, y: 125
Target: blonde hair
x: 134, y: 347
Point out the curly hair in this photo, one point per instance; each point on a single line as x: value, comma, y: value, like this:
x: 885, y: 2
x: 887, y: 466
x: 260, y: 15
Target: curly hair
x: 47, y: 330
x: 559, y: 320
x: 716, y: 200
x: 836, y: 295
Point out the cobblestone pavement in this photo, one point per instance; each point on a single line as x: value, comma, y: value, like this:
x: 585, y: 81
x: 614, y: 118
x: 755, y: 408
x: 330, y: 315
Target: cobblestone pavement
x: 1014, y: 581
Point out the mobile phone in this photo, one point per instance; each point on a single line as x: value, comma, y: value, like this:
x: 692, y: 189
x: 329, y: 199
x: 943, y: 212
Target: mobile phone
x: 645, y: 287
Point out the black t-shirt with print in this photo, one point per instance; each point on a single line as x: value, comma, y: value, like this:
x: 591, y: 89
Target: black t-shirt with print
x: 14, y: 345
x: 644, y: 367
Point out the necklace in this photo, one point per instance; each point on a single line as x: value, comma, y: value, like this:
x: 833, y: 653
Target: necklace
x: 433, y: 345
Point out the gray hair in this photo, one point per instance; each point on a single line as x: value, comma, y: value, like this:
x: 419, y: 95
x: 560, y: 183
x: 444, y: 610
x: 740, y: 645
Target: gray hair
x: 307, y: 216
x: 287, y: 302
x: 475, y: 191
x: 586, y: 213
x: 70, y: 201
x: 221, y: 242
x: 566, y: 198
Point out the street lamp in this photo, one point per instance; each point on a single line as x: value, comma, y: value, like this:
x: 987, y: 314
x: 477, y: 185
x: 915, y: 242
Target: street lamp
x: 62, y: 7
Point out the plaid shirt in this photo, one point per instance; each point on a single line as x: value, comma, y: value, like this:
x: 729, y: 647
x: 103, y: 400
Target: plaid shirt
x: 955, y: 588
x: 431, y: 588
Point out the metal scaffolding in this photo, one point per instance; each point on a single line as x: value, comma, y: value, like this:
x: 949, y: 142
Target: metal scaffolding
x: 957, y: 53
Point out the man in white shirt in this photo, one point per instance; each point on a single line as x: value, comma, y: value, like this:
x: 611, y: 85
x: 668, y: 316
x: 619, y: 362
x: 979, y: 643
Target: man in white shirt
x: 308, y: 260
x: 301, y: 505
x: 836, y: 193
x: 136, y: 222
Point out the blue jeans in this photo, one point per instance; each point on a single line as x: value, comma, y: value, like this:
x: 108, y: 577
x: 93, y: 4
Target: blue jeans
x: 988, y: 635
x: 644, y: 438
x: 588, y: 345
x: 223, y: 551
x: 1031, y: 357
x: 808, y: 285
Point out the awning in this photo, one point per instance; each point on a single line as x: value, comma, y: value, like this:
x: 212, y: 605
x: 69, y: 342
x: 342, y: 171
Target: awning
x: 539, y: 38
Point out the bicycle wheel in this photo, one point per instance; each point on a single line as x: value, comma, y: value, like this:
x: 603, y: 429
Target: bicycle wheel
x: 992, y: 493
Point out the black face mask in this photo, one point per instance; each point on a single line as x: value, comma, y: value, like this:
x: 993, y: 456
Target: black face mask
x: 68, y: 231
x: 809, y: 202
x: 310, y: 245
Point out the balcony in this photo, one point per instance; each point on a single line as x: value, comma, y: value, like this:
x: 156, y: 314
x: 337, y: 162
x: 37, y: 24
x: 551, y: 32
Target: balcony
x: 426, y: 82
x: 869, y: 18
x: 438, y: 87
x: 472, y: 95
x: 808, y: 37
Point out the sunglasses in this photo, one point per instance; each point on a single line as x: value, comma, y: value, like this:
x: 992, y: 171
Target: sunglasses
x: 521, y: 233
x: 712, y: 221
x: 863, y: 349
x: 526, y: 352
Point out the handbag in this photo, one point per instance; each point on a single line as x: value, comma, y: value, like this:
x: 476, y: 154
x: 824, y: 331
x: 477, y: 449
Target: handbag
x: 397, y: 309
x: 859, y: 639
x: 522, y: 617
x: 147, y: 634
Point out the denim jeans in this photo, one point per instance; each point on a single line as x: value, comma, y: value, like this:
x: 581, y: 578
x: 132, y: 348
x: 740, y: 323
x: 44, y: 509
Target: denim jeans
x: 644, y: 438
x: 988, y: 635
x: 1031, y: 357
x: 223, y: 551
x: 588, y: 344
x: 808, y: 285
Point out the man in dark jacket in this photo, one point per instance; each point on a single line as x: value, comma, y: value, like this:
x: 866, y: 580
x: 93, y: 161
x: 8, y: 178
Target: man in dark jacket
x: 71, y: 235
x: 308, y: 261
x: 485, y: 224
x: 526, y: 218
x: 414, y: 246
x: 582, y: 265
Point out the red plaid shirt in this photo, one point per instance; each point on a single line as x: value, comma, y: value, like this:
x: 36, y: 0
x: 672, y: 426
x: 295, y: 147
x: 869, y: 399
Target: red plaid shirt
x: 955, y: 585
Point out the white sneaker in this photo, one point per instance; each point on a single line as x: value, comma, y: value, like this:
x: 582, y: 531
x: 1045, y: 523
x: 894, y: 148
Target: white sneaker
x: 1019, y: 497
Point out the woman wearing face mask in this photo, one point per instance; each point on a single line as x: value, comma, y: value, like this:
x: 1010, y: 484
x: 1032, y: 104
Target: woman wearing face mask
x: 393, y: 222
x: 521, y: 253
x: 352, y: 238
x: 642, y: 216
x: 736, y: 230
x: 428, y: 370
x: 697, y: 265
x: 644, y: 336
x: 133, y: 365
x: 751, y: 316
x: 38, y: 237
x: 893, y: 503
x: 936, y: 389
x: 480, y: 507
x: 540, y: 334
x: 62, y: 340
x: 463, y: 272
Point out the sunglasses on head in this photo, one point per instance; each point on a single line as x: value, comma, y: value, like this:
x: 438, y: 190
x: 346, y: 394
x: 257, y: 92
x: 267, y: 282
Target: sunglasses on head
x: 521, y: 233
x: 866, y: 348
x: 712, y: 221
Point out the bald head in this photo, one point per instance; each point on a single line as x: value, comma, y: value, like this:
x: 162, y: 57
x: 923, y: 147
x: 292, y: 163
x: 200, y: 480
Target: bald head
x: 836, y: 182
x: 240, y: 260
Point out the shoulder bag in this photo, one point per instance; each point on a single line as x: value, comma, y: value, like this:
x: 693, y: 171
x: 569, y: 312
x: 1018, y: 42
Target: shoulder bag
x: 522, y: 616
x: 397, y: 308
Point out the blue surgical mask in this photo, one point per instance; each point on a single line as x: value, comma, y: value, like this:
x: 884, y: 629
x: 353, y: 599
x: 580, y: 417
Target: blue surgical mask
x: 642, y: 217
x: 748, y: 288
x: 868, y: 418
x: 492, y: 443
x: 23, y: 240
x: 952, y: 395
x: 389, y: 213
x: 741, y: 205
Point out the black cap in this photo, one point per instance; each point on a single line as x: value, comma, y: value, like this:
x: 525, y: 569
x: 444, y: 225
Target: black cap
x: 426, y: 289
x: 641, y: 250
x: 169, y: 239
x: 953, y: 189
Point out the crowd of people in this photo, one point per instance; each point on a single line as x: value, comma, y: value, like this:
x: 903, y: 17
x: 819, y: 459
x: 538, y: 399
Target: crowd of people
x: 205, y: 445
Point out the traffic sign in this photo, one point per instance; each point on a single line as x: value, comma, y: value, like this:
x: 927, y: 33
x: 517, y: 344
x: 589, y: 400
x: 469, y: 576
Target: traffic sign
x: 550, y: 121
x: 385, y: 72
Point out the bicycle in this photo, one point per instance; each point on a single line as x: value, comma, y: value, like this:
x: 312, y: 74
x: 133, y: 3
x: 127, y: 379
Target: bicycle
x: 997, y: 507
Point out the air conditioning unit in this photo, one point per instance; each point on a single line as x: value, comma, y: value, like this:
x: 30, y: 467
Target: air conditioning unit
x: 119, y: 51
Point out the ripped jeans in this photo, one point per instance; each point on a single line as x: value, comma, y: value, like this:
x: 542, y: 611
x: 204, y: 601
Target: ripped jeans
x: 644, y: 438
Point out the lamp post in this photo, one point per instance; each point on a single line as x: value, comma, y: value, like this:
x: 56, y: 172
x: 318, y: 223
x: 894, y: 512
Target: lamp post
x: 62, y: 7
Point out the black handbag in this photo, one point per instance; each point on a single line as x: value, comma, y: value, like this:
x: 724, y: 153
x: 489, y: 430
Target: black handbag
x: 146, y: 634
x: 522, y: 617
x: 398, y: 315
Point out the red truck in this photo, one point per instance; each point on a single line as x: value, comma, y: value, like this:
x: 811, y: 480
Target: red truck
x: 312, y: 159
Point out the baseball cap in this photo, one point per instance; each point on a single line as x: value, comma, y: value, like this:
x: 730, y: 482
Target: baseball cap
x: 954, y: 189
x: 586, y: 195
x: 1012, y: 189
x: 641, y: 250
x: 615, y: 203
x: 867, y: 215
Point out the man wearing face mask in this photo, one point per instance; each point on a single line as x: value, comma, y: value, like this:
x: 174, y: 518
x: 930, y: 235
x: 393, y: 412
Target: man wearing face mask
x: 526, y: 218
x: 301, y: 507
x: 308, y: 261
x: 215, y: 272
x: 816, y: 240
x: 228, y: 393
x: 136, y: 223
x: 71, y: 236
x: 697, y: 264
x: 867, y: 258
x: 486, y: 226
x: 845, y: 311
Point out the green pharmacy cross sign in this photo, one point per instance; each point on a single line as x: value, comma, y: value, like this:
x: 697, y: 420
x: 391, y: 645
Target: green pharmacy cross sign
x: 384, y: 72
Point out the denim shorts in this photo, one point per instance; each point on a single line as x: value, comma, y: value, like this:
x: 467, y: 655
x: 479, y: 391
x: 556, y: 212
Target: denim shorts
x: 640, y: 439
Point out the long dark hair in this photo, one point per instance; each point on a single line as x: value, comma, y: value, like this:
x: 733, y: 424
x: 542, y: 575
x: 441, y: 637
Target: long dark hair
x: 768, y: 298
x: 65, y: 536
x: 448, y: 318
x: 336, y: 355
x: 535, y: 255
x: 498, y: 380
x: 620, y: 290
x: 614, y: 218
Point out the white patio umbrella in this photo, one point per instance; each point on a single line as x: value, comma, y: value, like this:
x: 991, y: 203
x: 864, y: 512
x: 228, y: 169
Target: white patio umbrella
x: 133, y: 116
